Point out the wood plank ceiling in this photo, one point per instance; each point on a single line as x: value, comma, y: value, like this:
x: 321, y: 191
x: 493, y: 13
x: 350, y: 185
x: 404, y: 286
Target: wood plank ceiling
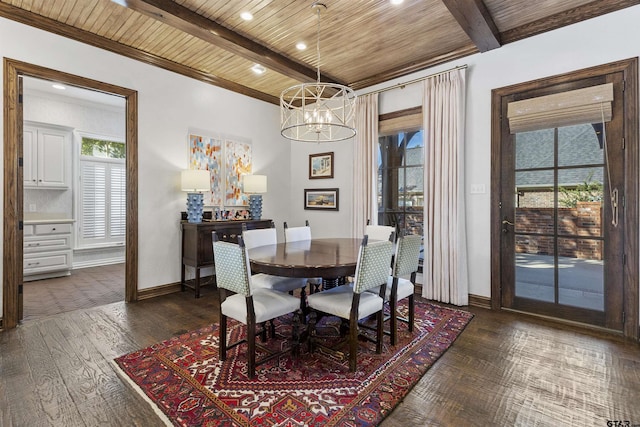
x: 362, y: 42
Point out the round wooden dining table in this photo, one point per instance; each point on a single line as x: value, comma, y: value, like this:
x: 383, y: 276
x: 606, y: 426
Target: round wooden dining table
x: 332, y: 259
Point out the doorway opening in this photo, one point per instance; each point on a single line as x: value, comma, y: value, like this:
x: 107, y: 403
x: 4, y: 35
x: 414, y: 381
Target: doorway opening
x: 14, y: 175
x: 74, y: 193
x: 564, y: 199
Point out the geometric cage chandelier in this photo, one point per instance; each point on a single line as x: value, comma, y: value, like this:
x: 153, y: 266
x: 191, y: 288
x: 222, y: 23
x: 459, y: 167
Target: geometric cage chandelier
x: 318, y: 112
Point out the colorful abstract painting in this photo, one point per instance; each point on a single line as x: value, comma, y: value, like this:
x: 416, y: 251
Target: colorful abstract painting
x: 205, y: 153
x: 237, y: 163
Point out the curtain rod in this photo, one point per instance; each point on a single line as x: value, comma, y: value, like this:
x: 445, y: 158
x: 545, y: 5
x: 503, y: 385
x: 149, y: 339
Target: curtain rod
x: 402, y: 85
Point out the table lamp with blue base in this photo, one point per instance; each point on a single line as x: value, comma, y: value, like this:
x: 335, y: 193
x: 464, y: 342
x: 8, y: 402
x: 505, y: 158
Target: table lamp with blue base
x: 194, y: 181
x: 254, y: 186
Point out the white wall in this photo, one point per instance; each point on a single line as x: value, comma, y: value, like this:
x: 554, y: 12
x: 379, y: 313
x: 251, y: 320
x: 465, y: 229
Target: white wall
x: 597, y: 41
x: 169, y: 104
x: 323, y: 223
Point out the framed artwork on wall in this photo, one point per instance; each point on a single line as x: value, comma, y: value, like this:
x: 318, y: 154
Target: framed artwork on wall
x: 205, y: 153
x: 325, y: 199
x: 227, y: 158
x: 321, y: 165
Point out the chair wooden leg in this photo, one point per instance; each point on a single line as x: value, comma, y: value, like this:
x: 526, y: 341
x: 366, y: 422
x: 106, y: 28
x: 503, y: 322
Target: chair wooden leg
x: 263, y: 332
x: 353, y: 344
x: 295, y: 334
x: 223, y: 337
x: 411, y: 313
x: 311, y: 330
x: 272, y: 328
x: 380, y: 331
x: 393, y: 307
x: 251, y: 356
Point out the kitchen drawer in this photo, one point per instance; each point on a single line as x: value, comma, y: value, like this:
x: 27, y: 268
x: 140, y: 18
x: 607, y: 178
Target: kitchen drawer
x: 46, y: 261
x: 53, y: 228
x: 28, y: 230
x: 46, y: 243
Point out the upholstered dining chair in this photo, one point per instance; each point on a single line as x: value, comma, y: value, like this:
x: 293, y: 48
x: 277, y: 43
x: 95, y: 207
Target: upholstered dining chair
x: 352, y: 302
x: 263, y: 237
x: 405, y: 264
x: 248, y: 305
x: 297, y: 234
x: 379, y: 232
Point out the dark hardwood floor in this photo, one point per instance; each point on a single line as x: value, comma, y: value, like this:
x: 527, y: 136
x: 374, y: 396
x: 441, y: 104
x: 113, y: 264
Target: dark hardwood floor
x: 504, y: 370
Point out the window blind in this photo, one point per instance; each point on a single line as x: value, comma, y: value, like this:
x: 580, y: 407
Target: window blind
x: 587, y: 105
x: 400, y: 121
x: 103, y: 202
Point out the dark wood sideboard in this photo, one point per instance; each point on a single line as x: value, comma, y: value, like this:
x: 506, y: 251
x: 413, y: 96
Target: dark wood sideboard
x: 197, y: 248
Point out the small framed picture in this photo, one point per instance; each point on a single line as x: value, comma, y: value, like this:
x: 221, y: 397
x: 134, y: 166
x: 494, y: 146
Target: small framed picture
x: 325, y: 199
x: 321, y: 165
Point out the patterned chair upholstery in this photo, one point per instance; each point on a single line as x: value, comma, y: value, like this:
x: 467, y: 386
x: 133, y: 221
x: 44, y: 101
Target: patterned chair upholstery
x: 351, y: 302
x: 406, y: 260
x: 247, y: 304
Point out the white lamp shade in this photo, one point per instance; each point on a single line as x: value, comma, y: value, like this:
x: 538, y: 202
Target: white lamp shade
x: 254, y: 184
x: 195, y: 180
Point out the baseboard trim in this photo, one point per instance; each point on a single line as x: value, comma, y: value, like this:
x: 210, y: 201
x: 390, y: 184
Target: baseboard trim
x: 157, y: 291
x: 479, y: 301
x: 98, y: 263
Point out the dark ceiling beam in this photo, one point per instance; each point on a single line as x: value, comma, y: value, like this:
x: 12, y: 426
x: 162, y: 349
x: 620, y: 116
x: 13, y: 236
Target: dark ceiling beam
x: 476, y: 21
x: 186, y: 20
x: 568, y: 17
x: 53, y: 26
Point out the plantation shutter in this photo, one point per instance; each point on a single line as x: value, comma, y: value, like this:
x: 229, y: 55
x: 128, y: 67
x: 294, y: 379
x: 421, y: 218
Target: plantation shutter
x: 117, y: 220
x: 103, y: 202
x: 93, y: 223
x: 587, y: 105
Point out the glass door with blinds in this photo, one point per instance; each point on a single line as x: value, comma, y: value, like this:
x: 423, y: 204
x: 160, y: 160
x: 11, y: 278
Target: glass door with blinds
x: 562, y: 225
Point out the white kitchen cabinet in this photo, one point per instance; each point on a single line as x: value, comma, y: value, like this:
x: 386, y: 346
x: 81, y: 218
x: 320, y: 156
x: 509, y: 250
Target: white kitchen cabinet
x: 47, y: 249
x: 46, y: 156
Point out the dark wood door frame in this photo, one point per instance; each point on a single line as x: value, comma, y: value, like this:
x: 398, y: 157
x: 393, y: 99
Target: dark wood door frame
x: 629, y: 68
x: 13, y: 185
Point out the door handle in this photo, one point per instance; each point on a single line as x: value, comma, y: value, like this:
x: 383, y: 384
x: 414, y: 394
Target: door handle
x: 505, y: 221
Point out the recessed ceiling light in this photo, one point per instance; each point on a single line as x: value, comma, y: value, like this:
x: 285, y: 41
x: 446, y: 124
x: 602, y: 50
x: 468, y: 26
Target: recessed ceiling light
x: 247, y: 16
x: 396, y: 1
x: 258, y: 69
x: 58, y: 86
x: 301, y: 45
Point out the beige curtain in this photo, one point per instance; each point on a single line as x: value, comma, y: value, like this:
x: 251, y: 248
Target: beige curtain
x: 445, y: 245
x: 365, y: 164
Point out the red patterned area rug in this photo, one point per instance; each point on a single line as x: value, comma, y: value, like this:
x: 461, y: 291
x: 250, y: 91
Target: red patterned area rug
x: 191, y: 387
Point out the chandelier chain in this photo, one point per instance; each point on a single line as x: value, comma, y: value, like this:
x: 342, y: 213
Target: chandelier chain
x: 318, y: 40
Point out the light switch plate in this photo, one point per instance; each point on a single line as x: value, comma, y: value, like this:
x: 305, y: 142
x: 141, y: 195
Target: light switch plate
x: 477, y: 189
